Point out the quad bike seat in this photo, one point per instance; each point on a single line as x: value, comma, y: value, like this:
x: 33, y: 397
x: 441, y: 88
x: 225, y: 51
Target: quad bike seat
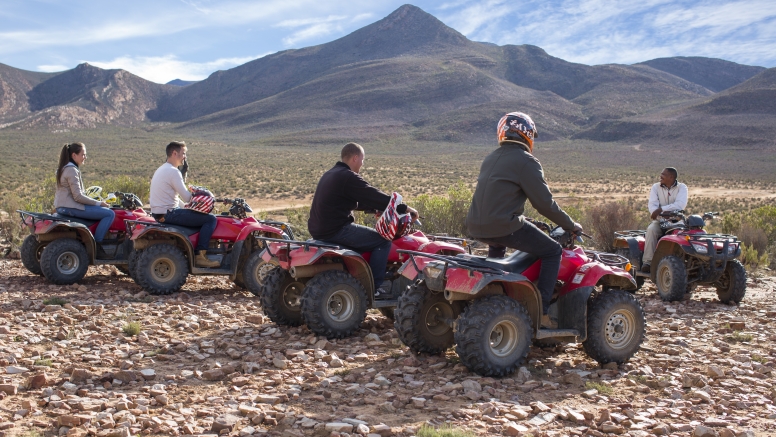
x: 518, y: 262
x: 85, y: 222
x: 185, y: 230
x: 326, y: 243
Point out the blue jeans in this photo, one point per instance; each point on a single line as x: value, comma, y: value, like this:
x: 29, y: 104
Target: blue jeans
x: 531, y: 240
x: 191, y: 218
x: 363, y: 239
x: 92, y: 212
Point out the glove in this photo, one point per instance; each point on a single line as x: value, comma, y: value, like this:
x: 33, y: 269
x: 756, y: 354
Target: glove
x: 184, y: 169
x: 577, y: 229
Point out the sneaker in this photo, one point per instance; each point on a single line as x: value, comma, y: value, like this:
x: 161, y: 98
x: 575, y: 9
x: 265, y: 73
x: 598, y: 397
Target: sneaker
x: 548, y: 323
x: 646, y: 268
x: 383, y: 294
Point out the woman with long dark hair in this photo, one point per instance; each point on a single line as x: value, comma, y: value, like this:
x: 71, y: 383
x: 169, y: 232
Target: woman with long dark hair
x: 70, y: 199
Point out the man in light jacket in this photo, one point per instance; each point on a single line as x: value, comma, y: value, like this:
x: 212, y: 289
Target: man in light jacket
x: 666, y: 195
x: 509, y: 176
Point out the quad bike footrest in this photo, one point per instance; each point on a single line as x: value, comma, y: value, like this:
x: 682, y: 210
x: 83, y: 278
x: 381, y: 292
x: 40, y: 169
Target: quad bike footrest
x: 550, y: 333
x: 385, y: 303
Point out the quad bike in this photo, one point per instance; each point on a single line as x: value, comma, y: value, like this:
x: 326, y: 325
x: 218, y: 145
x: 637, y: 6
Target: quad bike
x: 62, y: 248
x: 685, y: 257
x: 490, y: 309
x: 329, y: 287
x: 163, y: 254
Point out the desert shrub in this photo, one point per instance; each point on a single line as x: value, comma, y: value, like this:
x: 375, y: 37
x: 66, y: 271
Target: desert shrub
x: 754, y: 238
x: 752, y: 259
x: 132, y: 328
x: 297, y: 218
x: 604, y: 219
x: 445, y: 214
x: 446, y: 430
x: 126, y: 184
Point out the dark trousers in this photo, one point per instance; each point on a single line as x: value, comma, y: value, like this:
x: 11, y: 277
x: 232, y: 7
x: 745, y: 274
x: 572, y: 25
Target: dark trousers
x: 363, y: 239
x: 530, y: 239
x: 191, y: 218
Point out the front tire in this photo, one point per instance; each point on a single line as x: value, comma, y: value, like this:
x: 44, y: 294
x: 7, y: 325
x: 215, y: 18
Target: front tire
x: 493, y: 336
x: 281, y: 297
x: 671, y: 278
x: 162, y: 269
x: 731, y: 286
x: 134, y: 255
x: 255, y: 272
x: 64, y: 261
x: 615, y: 326
x: 334, y: 304
x: 31, y: 251
x: 423, y: 320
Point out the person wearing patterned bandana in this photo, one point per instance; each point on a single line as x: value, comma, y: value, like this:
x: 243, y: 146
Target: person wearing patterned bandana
x: 509, y: 176
x: 666, y: 195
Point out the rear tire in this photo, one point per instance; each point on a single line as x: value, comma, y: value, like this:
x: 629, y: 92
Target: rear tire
x: 281, y: 297
x: 255, y: 272
x: 615, y: 326
x: 493, y: 335
x: 731, y: 286
x: 334, y: 304
x: 162, y: 269
x: 639, y: 279
x: 671, y: 278
x: 134, y: 255
x: 64, y: 261
x: 31, y: 251
x: 421, y: 320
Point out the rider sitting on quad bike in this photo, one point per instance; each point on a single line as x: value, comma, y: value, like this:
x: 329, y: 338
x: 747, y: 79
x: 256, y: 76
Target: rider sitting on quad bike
x: 342, y: 190
x: 70, y: 198
x: 665, y: 196
x: 166, y: 185
x: 509, y: 176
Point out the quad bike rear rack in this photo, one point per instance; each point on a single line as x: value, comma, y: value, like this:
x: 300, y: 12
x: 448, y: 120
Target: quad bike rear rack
x: 455, y: 240
x: 451, y: 260
x: 42, y: 216
x: 306, y: 244
x: 633, y: 233
x: 610, y: 259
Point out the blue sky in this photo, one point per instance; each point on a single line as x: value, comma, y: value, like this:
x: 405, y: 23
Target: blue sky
x: 161, y: 40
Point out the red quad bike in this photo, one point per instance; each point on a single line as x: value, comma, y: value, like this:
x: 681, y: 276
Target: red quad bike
x: 329, y: 287
x: 686, y: 256
x: 62, y: 248
x: 163, y: 254
x: 490, y: 309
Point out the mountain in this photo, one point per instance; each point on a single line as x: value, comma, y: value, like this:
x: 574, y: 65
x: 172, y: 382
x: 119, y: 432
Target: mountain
x: 179, y: 82
x: 81, y: 98
x: 14, y: 86
x: 714, y: 74
x: 408, y: 74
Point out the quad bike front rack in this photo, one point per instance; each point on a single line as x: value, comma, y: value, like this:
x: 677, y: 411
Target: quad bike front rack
x: 450, y: 260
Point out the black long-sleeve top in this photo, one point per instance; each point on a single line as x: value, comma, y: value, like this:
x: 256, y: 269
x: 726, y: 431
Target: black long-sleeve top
x: 341, y: 191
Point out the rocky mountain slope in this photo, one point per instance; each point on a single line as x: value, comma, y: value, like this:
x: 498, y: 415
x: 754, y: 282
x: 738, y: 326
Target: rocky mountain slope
x: 408, y: 73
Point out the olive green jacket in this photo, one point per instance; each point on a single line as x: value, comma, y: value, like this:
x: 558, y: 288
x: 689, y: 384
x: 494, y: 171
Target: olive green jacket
x: 509, y: 176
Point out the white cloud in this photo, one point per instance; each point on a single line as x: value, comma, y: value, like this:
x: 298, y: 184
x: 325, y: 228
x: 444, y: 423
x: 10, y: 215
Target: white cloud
x: 162, y: 69
x: 318, y: 27
x: 52, y: 68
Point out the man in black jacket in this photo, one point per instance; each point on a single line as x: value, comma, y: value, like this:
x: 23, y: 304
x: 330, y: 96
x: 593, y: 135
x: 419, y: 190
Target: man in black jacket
x: 340, y: 191
x: 509, y: 176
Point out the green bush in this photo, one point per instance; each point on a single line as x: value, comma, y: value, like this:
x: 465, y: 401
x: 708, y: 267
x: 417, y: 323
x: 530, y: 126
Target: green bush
x: 445, y: 214
x: 125, y: 184
x: 605, y: 219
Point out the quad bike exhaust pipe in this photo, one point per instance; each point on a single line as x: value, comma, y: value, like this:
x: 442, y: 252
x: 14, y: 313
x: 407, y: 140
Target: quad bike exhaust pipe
x: 310, y: 271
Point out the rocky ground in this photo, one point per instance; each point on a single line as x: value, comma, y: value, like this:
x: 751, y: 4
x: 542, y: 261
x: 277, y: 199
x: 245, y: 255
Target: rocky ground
x: 207, y: 361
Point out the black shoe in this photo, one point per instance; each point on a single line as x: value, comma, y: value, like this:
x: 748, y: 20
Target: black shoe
x: 383, y: 294
x: 646, y: 268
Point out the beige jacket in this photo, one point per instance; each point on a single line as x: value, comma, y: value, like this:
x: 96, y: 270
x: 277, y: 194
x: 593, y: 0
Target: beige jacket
x: 70, y: 191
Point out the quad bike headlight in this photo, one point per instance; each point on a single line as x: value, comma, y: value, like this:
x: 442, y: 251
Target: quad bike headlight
x: 432, y: 272
x: 700, y: 248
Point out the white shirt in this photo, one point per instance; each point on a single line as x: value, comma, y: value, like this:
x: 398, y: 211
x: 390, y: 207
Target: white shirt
x: 166, y: 185
x: 670, y: 199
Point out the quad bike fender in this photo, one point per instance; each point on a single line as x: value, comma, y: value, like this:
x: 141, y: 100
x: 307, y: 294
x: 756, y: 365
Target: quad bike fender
x: 441, y: 247
x: 259, y: 228
x: 411, y: 270
x: 352, y: 262
x: 572, y: 310
x: 147, y: 236
x: 77, y: 231
x: 590, y: 275
x: 242, y: 251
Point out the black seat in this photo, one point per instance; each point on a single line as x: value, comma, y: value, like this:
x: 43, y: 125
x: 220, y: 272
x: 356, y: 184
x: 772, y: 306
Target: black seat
x: 518, y: 262
x: 326, y: 243
x: 83, y: 221
x: 185, y: 230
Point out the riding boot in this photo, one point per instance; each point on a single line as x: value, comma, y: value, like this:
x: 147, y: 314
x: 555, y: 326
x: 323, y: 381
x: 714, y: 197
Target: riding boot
x: 201, y: 260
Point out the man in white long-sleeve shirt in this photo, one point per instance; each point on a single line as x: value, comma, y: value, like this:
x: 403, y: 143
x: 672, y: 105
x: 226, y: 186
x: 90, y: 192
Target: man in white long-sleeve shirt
x: 166, y: 185
x: 666, y: 195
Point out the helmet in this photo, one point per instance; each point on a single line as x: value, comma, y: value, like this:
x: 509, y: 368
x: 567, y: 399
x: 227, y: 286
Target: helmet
x: 695, y: 221
x: 202, y: 200
x: 200, y: 191
x: 517, y: 127
x: 94, y: 192
x: 392, y: 225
